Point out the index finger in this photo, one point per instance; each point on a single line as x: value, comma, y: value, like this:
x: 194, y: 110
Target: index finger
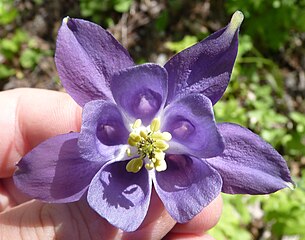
x: 30, y: 116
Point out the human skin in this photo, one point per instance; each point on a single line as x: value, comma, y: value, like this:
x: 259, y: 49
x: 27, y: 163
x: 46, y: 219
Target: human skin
x: 30, y: 116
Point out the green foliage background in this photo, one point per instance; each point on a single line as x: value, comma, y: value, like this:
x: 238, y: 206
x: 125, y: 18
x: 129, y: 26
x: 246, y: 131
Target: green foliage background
x: 256, y: 97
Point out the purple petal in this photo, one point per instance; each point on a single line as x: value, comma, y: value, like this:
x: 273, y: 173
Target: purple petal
x: 119, y: 196
x: 103, y: 132
x: 186, y: 186
x: 249, y: 164
x: 140, y: 91
x: 205, y: 67
x: 86, y: 57
x: 191, y: 122
x: 54, y: 172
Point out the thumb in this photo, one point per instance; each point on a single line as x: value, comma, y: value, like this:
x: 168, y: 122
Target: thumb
x: 30, y: 116
x: 37, y: 220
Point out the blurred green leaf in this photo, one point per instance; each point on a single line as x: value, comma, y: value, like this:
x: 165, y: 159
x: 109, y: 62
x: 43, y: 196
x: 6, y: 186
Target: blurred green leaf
x: 186, y: 42
x: 29, y: 58
x: 234, y: 217
x: 285, y: 211
x: 230, y: 111
x: 299, y: 118
x: 7, y: 12
x: 270, y: 23
x: 162, y: 21
x: 9, y: 46
x: 6, y: 72
x: 122, y: 5
x: 20, y: 36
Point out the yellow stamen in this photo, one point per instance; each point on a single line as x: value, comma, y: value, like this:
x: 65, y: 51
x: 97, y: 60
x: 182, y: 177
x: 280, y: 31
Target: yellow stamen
x: 134, y: 137
x: 143, y: 134
x: 131, y: 142
x: 149, y: 166
x: 162, y: 145
x: 160, y: 166
x: 157, y: 135
x: 166, y: 136
x: 150, y: 145
x: 159, y: 156
x: 128, y: 152
x: 137, y: 124
x: 155, y: 125
x: 134, y: 165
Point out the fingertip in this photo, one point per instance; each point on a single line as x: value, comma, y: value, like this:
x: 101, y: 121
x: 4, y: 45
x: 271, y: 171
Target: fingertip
x: 157, y: 222
x: 179, y: 236
x: 37, y: 220
x: 204, y: 221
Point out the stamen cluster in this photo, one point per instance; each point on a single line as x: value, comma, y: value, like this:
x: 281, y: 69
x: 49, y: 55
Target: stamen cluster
x: 150, y: 144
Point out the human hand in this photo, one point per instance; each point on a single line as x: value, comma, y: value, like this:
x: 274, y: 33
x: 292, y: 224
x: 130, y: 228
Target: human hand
x: 30, y: 116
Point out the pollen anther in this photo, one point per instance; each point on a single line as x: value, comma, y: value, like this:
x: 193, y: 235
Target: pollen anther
x: 134, y: 165
x: 150, y: 144
x: 137, y: 124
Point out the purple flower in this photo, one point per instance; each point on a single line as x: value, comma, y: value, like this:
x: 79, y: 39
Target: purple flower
x: 147, y: 126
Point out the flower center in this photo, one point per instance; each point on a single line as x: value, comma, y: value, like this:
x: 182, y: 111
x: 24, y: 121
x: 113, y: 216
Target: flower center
x: 149, y: 144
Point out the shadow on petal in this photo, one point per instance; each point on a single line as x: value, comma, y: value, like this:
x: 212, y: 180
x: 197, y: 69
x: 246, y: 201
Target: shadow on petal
x: 120, y: 196
x: 54, y: 172
x: 72, y: 174
x: 117, y: 196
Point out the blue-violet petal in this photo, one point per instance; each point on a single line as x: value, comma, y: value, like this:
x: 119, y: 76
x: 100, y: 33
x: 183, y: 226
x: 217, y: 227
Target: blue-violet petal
x: 86, y: 57
x: 205, y: 67
x: 140, y: 91
x: 190, y: 120
x: 249, y: 164
x: 54, y: 171
x: 103, y: 132
x: 187, y: 186
x: 120, y: 196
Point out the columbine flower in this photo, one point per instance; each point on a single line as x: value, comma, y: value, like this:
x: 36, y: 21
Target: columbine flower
x: 147, y: 126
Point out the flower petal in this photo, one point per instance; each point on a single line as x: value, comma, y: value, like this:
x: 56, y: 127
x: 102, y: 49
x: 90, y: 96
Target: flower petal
x: 54, y: 172
x: 86, y: 57
x: 140, y: 91
x: 102, y: 133
x: 249, y: 164
x: 186, y: 186
x: 190, y: 120
x: 120, y: 196
x: 205, y: 67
